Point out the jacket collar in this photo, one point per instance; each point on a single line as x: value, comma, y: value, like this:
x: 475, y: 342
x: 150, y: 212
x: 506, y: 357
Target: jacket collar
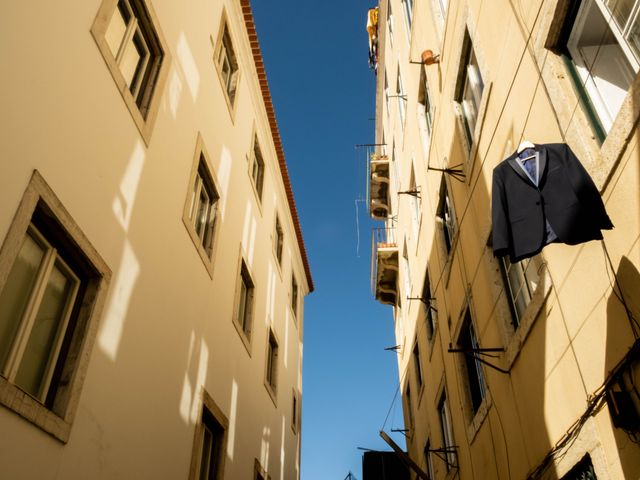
x: 513, y: 163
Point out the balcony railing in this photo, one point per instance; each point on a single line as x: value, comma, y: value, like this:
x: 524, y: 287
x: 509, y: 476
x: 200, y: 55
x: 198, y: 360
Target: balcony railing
x: 379, y: 186
x: 384, y: 265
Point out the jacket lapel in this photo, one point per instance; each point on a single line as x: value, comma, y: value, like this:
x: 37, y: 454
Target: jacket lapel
x: 513, y: 163
x: 542, y: 164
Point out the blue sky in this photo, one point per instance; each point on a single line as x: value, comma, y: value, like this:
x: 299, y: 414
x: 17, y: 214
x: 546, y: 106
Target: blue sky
x: 315, y: 55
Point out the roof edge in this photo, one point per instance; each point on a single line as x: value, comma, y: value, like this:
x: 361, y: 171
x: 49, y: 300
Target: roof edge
x: 275, y: 133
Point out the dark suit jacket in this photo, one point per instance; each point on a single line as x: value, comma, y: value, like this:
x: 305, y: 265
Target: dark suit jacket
x: 566, y: 197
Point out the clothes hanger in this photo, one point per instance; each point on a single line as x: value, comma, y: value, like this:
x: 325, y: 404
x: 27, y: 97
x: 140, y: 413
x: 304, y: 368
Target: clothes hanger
x: 523, y: 146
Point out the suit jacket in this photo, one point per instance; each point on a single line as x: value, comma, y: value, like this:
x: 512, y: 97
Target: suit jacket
x: 565, y: 196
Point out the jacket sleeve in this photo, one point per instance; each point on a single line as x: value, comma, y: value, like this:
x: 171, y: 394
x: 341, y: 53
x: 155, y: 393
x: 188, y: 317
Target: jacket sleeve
x: 499, y: 217
x: 586, y: 190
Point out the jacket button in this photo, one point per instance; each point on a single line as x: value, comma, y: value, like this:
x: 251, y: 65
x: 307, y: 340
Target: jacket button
x: 537, y: 203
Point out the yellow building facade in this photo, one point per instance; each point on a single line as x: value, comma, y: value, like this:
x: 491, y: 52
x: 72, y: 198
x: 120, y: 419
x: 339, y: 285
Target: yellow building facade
x: 152, y: 268
x: 530, y: 369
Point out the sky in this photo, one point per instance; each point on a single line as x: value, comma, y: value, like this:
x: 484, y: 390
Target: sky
x: 315, y: 55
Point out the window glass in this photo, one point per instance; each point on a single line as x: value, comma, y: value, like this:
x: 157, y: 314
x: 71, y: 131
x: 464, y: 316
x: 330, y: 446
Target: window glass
x: 604, y: 49
x: 521, y: 280
x: 46, y: 331
x: 16, y: 293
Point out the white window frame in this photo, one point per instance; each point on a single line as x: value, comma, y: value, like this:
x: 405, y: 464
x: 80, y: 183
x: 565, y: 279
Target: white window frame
x: 605, y: 110
x: 407, y: 7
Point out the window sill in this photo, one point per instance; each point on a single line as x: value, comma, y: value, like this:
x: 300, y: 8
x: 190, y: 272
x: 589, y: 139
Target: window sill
x: 244, y: 337
x: 520, y: 335
x: 21, y: 403
x: 272, y: 393
x: 479, y: 417
x: 206, y: 260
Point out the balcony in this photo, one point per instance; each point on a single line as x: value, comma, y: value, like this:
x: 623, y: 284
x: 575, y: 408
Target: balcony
x: 379, y: 187
x: 384, y: 265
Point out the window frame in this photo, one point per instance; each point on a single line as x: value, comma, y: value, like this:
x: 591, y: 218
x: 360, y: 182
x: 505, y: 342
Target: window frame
x: 210, y: 413
x: 446, y: 431
x: 271, y: 369
x: 295, y: 412
x: 259, y: 473
x: 425, y: 111
x: 470, y: 137
x: 278, y: 241
x: 225, y: 44
x: 407, y: 7
x: 476, y: 385
x: 201, y: 167
x: 295, y: 295
x: 256, y: 160
x: 431, y: 318
x: 144, y: 106
x: 244, y: 327
x: 56, y: 410
x: 448, y: 234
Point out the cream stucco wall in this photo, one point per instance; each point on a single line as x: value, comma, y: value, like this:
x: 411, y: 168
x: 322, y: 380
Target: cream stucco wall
x: 575, y: 331
x: 166, y: 330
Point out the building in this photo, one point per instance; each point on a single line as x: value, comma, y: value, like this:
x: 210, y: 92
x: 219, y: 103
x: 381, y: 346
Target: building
x: 508, y: 370
x: 152, y: 268
x: 378, y: 465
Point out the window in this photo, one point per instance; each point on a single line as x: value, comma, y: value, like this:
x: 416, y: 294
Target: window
x: 271, y: 375
x: 386, y: 91
x: 258, y: 472
x: 445, y: 215
x: 51, y: 296
x: 390, y: 23
x: 469, y: 343
x: 257, y: 168
x: 425, y: 111
x: 407, y: 397
x: 407, y: 6
x: 406, y: 270
x: 126, y: 34
x: 207, y: 461
x: 279, y: 240
x: 602, y: 41
x: 446, y: 429
x: 430, y: 312
x: 469, y: 91
x: 201, y: 208
x: 402, y: 99
x: 227, y: 65
x: 244, y: 303
x: 294, y: 295
x: 521, y: 280
x: 583, y: 470
x: 294, y: 412
x: 428, y: 461
x: 414, y: 200
x: 417, y: 364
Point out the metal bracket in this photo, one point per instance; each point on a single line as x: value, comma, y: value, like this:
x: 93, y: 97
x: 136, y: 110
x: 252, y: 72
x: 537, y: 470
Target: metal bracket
x: 403, y: 97
x: 395, y: 348
x: 427, y: 301
x: 476, y: 352
x: 442, y: 452
x: 403, y: 431
x: 456, y: 172
x: 414, y: 193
